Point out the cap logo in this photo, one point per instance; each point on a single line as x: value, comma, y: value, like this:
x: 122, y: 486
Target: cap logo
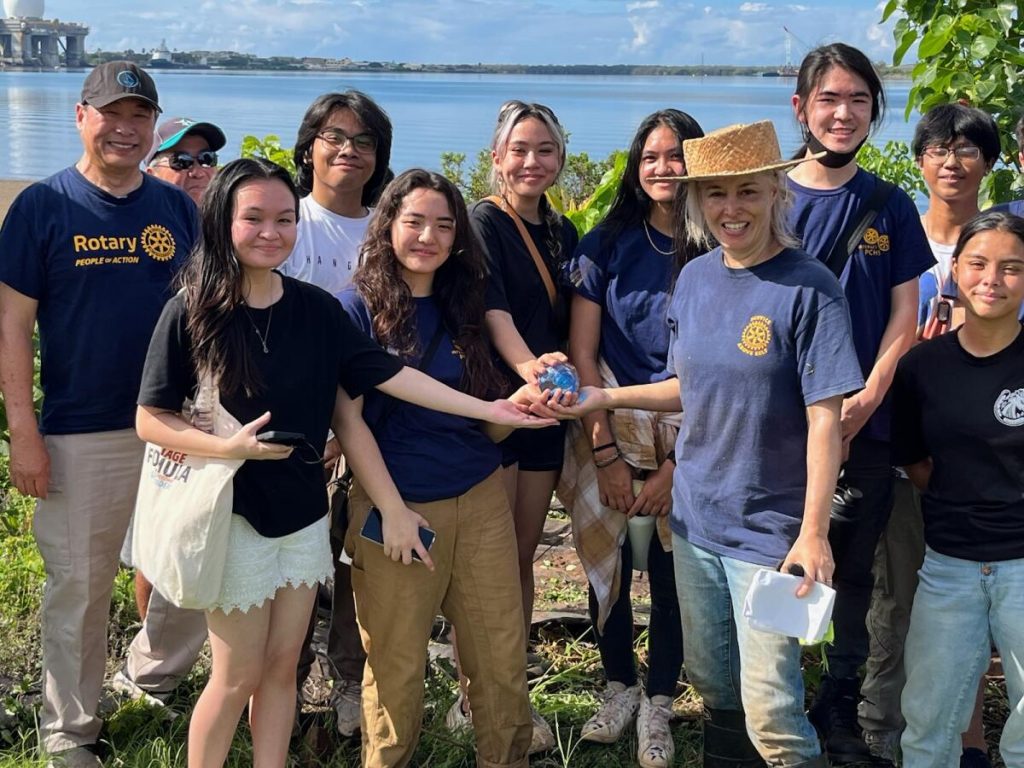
x: 128, y: 79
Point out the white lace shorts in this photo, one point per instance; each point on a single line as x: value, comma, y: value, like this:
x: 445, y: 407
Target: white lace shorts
x: 257, y: 566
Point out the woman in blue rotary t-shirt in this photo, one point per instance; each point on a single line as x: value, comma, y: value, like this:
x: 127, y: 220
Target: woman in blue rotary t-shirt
x: 762, y: 351
x: 420, y: 294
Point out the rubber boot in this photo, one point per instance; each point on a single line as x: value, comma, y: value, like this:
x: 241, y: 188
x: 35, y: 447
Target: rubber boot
x: 834, y: 715
x: 726, y: 743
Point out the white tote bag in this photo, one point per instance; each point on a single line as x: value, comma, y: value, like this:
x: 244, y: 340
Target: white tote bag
x: 183, y: 512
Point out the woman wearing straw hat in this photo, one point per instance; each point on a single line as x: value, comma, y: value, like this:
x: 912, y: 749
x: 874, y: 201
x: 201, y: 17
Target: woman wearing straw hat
x: 761, y: 348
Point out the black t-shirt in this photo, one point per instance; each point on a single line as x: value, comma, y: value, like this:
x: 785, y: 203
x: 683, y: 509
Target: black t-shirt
x: 967, y: 414
x: 514, y: 284
x: 314, y: 347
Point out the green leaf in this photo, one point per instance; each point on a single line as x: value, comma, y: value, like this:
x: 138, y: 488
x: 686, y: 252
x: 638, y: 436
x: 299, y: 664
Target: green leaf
x: 985, y: 89
x: 1006, y: 10
x: 905, y: 42
x: 936, y: 37
x: 890, y: 7
x: 983, y: 46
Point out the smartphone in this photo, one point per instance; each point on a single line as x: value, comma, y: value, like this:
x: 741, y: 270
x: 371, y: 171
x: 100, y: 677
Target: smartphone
x: 373, y: 530
x: 282, y: 438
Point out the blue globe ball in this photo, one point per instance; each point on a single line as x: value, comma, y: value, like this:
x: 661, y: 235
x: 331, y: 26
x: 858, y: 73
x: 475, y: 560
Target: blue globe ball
x: 561, y: 376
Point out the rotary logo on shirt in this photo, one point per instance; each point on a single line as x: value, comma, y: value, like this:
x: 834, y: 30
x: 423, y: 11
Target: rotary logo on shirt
x: 874, y: 244
x: 1009, y: 407
x: 757, y: 335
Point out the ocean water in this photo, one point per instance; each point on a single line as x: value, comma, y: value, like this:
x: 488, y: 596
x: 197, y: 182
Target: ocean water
x: 431, y: 113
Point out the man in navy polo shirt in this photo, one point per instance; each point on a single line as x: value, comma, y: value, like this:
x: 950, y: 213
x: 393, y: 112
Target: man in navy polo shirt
x: 89, y: 254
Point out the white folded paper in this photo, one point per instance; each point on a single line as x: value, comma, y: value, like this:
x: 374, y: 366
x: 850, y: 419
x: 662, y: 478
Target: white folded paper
x: 772, y: 606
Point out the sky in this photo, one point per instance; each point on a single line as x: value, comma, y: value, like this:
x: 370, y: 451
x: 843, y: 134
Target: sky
x: 741, y: 32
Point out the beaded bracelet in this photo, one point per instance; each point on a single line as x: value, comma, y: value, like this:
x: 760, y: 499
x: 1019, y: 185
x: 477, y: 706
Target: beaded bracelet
x: 602, y: 447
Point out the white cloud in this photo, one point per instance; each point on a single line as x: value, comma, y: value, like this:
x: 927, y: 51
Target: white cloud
x: 754, y: 7
x: 642, y: 4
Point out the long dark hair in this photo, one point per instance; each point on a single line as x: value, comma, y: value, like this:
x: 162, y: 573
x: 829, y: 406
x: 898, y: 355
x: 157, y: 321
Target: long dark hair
x: 632, y: 205
x: 213, y: 280
x: 817, y: 64
x: 510, y: 114
x: 988, y: 221
x: 373, y: 118
x: 458, y: 284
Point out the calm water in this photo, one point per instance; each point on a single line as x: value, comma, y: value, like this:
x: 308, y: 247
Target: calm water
x: 431, y: 113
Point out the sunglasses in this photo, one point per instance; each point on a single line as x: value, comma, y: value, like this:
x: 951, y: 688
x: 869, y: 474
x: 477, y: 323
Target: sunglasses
x: 182, y: 161
x: 362, y: 142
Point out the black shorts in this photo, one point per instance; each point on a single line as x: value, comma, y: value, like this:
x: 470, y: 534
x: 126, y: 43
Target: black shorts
x: 535, y: 450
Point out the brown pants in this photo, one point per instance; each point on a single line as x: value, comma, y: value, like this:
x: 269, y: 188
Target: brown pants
x: 79, y: 528
x: 476, y: 585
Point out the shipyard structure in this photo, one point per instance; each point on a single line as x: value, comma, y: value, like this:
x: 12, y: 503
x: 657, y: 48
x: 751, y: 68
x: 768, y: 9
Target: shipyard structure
x: 29, y: 40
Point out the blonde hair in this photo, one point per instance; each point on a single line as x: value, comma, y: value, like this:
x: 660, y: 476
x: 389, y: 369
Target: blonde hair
x: 510, y: 115
x: 697, y: 226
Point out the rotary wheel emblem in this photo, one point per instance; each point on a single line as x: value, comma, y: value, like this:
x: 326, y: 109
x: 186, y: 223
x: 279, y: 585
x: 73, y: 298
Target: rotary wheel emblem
x: 158, y: 243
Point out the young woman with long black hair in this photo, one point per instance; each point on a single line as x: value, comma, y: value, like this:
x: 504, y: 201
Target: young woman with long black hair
x: 278, y: 350
x: 623, y: 272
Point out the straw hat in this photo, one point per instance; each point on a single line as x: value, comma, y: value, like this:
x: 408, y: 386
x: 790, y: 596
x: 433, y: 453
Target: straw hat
x: 736, y: 150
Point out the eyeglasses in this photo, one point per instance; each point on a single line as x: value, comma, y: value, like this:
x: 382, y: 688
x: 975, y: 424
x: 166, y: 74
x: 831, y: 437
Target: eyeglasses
x: 362, y: 142
x: 939, y: 154
x: 182, y: 161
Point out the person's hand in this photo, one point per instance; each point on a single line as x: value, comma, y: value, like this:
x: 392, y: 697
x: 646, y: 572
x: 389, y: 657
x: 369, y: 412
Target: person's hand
x: 30, y: 463
x: 332, y: 452
x: 539, y: 400
x: 529, y: 370
x: 507, y: 413
x: 401, y: 531
x: 614, y: 482
x: 244, y: 445
x: 814, y: 556
x: 655, y: 498
x: 587, y: 400
x: 857, y: 409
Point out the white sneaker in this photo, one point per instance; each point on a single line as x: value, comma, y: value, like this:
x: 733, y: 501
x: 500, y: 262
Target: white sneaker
x: 655, y: 746
x: 543, y: 737
x: 347, y: 700
x: 121, y: 683
x: 457, y: 718
x: 617, y: 712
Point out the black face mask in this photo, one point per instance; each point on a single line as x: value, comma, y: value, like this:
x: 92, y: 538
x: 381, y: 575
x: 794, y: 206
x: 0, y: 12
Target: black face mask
x: 831, y: 159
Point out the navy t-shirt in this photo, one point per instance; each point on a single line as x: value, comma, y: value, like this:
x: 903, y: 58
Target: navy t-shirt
x: 1016, y: 207
x: 313, y: 347
x: 515, y: 286
x: 967, y: 414
x: 630, y: 281
x: 752, y: 349
x: 430, y: 455
x: 100, y: 267
x: 893, y: 250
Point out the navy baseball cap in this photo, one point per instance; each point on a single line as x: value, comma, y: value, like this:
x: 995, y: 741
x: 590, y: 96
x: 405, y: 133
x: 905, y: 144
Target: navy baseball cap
x: 118, y: 80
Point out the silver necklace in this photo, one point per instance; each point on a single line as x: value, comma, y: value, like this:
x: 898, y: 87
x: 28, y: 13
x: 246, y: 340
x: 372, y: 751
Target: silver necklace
x: 650, y: 240
x: 266, y: 333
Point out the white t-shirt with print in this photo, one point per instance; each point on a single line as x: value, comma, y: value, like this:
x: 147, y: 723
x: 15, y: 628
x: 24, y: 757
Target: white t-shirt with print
x: 327, y: 246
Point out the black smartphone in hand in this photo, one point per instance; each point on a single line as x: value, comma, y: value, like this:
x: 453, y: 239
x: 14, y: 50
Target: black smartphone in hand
x: 282, y: 438
x: 373, y: 530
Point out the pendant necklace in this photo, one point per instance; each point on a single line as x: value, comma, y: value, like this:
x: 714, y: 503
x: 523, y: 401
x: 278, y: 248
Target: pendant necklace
x: 266, y: 333
x: 650, y: 240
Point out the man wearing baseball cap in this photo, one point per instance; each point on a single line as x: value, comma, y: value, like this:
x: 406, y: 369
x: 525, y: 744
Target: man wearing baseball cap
x: 89, y: 253
x: 184, y: 153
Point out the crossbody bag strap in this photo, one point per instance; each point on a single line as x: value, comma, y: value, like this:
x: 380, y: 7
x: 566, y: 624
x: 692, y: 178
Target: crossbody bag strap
x: 524, y: 233
x: 850, y: 238
x: 425, y: 360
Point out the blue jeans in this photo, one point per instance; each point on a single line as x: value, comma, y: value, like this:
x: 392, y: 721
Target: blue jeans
x: 960, y: 608
x: 735, y: 667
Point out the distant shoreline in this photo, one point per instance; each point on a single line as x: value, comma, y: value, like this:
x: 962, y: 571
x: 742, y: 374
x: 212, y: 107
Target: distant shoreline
x: 302, y: 66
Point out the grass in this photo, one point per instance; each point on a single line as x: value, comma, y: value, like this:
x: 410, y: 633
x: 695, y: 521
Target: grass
x: 135, y: 736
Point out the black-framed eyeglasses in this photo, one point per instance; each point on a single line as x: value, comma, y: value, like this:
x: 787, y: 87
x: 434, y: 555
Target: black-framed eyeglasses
x: 361, y: 142
x: 966, y: 152
x: 182, y: 161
